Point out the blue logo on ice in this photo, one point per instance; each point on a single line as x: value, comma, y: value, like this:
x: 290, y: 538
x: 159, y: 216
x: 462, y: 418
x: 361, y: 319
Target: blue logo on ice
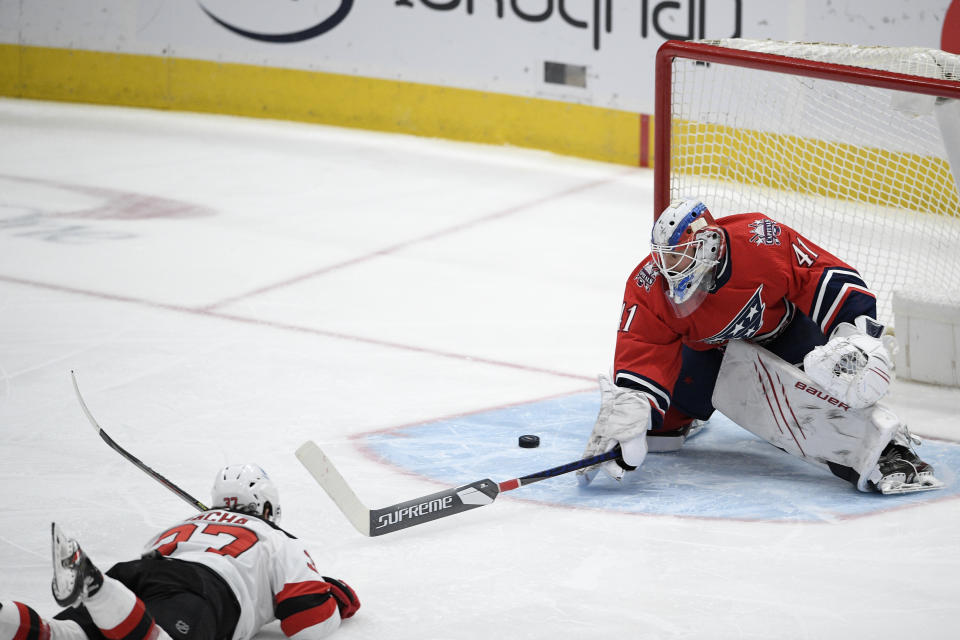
x: 724, y: 472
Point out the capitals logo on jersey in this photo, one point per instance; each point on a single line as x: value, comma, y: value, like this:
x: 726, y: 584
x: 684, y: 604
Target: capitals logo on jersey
x: 765, y: 232
x: 746, y: 324
x: 647, y: 276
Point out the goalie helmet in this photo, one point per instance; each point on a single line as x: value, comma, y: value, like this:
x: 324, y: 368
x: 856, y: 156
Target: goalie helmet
x: 686, y: 244
x: 248, y: 489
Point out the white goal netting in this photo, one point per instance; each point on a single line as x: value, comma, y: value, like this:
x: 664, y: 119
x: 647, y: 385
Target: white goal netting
x: 868, y: 173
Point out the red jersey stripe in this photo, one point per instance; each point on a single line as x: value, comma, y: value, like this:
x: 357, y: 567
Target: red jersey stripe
x: 311, y: 587
x: 315, y: 615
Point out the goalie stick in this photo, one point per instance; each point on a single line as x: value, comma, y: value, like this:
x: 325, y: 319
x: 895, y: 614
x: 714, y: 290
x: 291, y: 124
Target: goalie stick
x: 376, y: 522
x: 186, y: 497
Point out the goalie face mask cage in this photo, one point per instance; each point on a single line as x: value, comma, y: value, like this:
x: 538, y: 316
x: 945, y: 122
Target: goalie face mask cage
x: 685, y: 245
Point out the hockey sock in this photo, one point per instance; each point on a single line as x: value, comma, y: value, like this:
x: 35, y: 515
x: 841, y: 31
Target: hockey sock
x: 120, y: 614
x: 19, y: 621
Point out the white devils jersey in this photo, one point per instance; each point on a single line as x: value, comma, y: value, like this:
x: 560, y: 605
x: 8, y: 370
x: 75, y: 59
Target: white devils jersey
x: 271, y: 573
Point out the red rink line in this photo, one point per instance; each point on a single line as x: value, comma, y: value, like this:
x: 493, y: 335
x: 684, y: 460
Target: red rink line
x: 203, y: 312
x: 209, y: 310
x: 419, y: 240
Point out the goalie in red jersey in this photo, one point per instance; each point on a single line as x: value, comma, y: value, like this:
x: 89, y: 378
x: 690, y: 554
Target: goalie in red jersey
x: 218, y: 575
x: 746, y: 277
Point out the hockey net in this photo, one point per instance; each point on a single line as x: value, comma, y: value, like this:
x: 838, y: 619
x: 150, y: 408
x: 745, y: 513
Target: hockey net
x: 857, y: 148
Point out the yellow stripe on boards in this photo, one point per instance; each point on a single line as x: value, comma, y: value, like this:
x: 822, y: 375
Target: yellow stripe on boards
x: 89, y: 76
x: 817, y: 167
x: 158, y: 82
x: 9, y: 69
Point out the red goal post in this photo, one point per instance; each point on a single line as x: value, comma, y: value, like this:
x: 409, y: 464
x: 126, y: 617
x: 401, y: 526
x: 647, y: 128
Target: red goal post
x: 854, y: 146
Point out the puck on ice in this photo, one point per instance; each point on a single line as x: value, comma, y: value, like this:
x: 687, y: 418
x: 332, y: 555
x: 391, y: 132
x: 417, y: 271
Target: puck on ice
x: 529, y: 442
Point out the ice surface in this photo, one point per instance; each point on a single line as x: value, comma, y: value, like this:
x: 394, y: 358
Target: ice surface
x: 724, y: 472
x: 227, y: 289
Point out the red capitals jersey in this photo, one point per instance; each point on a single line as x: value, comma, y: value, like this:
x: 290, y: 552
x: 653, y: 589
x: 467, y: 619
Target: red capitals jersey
x: 769, y: 273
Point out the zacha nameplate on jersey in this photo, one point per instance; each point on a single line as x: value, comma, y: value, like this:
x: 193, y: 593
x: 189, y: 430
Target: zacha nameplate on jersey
x: 432, y: 507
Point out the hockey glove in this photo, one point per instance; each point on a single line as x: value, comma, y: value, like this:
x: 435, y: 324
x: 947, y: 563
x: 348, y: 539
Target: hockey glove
x: 346, y: 598
x: 853, y: 366
x: 623, y: 421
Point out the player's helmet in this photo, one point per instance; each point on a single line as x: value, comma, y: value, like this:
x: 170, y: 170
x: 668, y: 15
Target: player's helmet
x: 248, y: 489
x: 686, y: 244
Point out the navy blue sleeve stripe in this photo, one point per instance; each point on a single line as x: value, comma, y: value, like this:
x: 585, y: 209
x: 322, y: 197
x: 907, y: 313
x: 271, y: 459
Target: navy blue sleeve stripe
x: 656, y: 393
x: 854, y: 303
x: 841, y: 296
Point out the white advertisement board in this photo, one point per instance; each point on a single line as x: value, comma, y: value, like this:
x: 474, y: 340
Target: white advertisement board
x: 593, y: 52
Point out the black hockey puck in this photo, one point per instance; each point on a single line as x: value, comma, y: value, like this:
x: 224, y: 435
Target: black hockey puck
x: 529, y: 442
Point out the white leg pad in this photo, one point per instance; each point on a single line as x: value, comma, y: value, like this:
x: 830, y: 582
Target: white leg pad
x: 779, y: 403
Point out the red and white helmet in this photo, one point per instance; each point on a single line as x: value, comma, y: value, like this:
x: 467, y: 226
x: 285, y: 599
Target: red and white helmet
x: 248, y: 489
x: 685, y: 245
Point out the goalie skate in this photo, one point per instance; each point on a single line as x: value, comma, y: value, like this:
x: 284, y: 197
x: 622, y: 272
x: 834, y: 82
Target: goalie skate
x: 672, y: 440
x: 900, y: 470
x: 74, y: 576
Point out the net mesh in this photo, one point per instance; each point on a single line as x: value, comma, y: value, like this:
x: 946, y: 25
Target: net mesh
x: 863, y: 171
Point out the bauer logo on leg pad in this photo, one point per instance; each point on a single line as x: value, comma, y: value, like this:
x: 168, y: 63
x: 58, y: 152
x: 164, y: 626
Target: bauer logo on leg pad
x: 823, y: 395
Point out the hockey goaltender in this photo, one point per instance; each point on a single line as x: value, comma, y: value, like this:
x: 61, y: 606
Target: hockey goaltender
x: 745, y: 315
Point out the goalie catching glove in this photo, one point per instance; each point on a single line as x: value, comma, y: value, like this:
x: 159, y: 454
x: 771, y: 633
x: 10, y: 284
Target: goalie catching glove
x: 853, y: 366
x: 623, y: 421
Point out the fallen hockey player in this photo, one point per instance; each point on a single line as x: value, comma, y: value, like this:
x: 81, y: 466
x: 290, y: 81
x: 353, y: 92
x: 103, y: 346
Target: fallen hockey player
x: 723, y: 314
x: 219, y: 575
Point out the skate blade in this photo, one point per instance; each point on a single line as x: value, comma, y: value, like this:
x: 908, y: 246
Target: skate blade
x: 671, y: 444
x: 697, y: 427
x: 66, y: 556
x: 903, y: 487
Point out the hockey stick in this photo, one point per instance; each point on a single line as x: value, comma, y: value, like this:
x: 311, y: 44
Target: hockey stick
x: 126, y: 454
x: 376, y: 522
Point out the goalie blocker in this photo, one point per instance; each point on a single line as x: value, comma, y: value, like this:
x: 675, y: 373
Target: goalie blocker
x: 782, y: 405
